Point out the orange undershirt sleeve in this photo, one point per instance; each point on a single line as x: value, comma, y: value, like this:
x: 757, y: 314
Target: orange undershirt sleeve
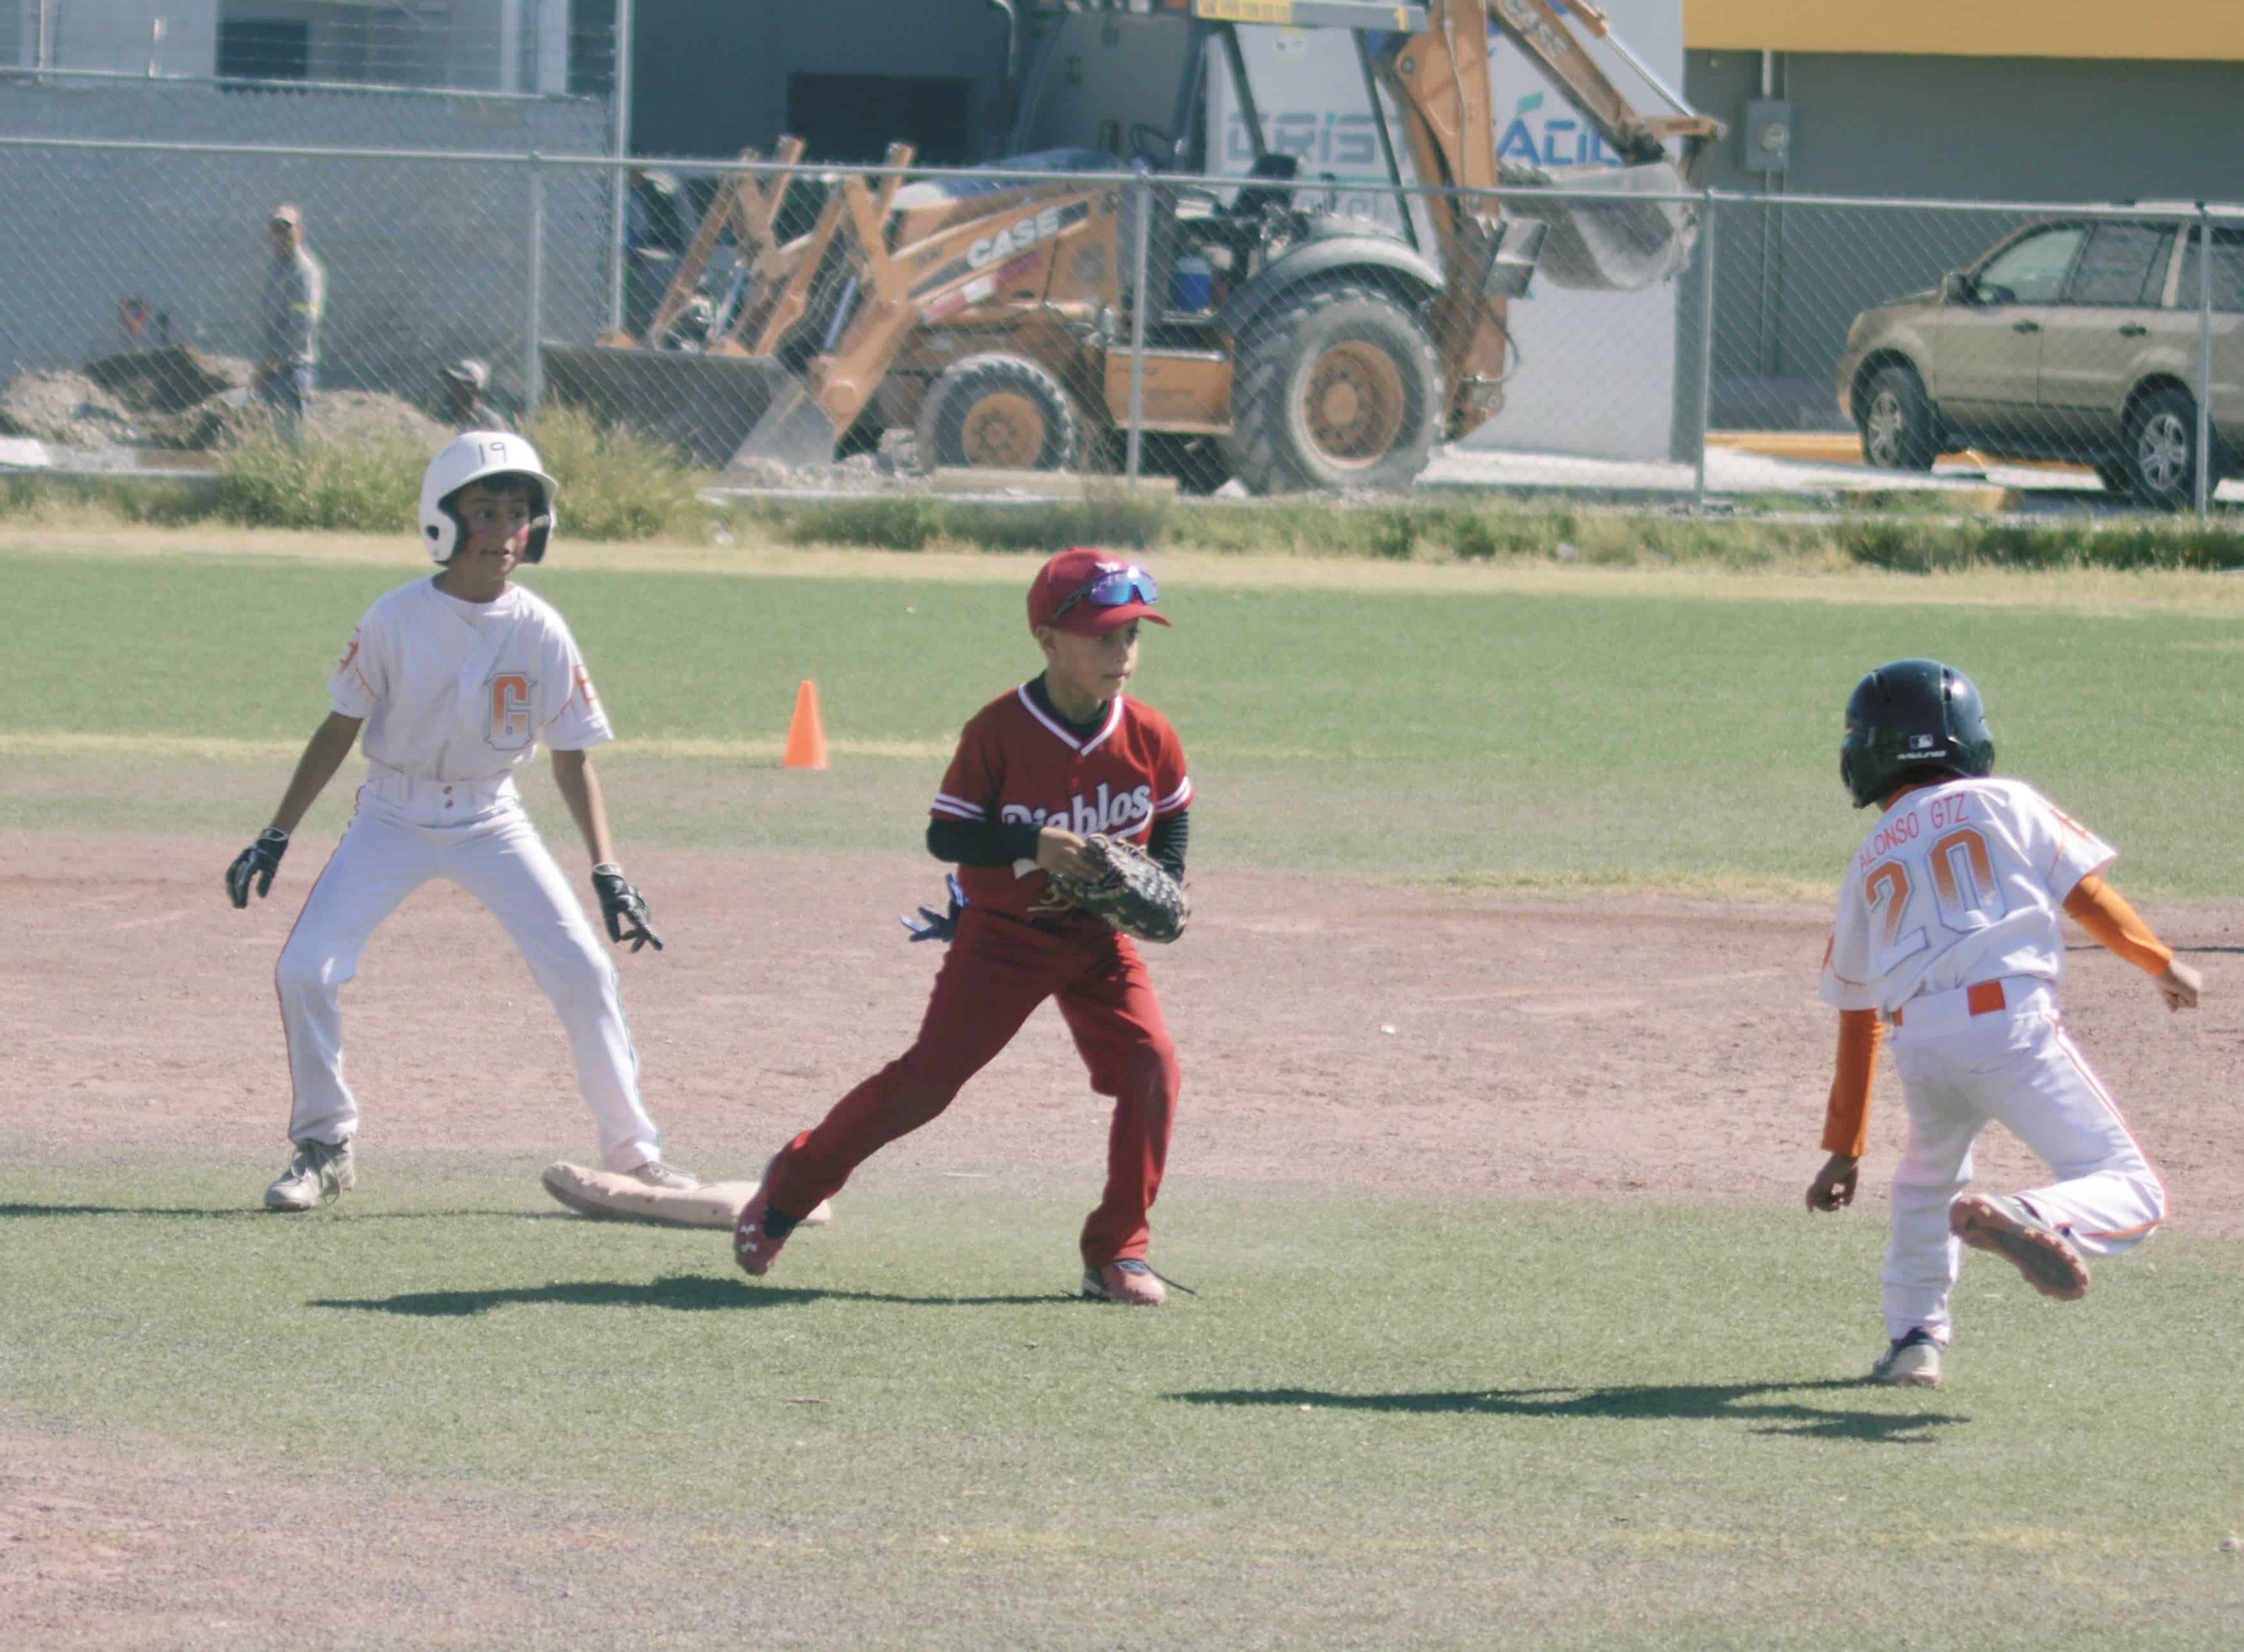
x: 2117, y: 926
x: 1846, y: 1115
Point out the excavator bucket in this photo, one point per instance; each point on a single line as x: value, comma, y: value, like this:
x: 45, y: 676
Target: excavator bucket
x: 1619, y: 241
x: 717, y: 409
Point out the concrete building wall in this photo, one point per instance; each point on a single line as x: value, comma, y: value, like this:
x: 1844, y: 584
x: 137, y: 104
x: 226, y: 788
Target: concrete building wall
x: 2061, y: 131
x: 427, y: 261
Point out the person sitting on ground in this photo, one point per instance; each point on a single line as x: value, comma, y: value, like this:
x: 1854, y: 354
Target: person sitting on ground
x: 467, y: 402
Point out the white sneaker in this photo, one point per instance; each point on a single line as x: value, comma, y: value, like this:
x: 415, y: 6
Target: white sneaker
x: 1912, y: 1361
x: 668, y: 1177
x: 318, y: 1172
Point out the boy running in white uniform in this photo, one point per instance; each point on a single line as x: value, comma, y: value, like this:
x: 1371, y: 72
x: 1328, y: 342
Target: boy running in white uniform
x: 456, y: 679
x: 1949, y: 932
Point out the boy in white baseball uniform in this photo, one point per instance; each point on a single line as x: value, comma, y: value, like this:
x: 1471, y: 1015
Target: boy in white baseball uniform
x: 1949, y: 933
x: 456, y: 680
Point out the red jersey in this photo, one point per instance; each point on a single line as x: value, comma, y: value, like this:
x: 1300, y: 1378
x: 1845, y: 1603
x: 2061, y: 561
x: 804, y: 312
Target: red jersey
x: 1018, y: 765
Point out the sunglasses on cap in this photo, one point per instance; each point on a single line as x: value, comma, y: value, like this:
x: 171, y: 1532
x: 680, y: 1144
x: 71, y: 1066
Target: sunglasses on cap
x: 1112, y: 589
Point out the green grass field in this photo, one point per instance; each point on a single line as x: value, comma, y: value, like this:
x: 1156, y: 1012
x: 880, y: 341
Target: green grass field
x: 1402, y: 1423
x: 1499, y: 737
x: 1437, y: 1425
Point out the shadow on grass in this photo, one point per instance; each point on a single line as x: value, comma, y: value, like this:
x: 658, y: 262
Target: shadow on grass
x: 681, y: 1292
x: 256, y: 1213
x: 1706, y: 1402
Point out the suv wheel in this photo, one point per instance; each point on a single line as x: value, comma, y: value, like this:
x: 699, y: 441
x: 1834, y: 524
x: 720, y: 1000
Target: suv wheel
x: 1897, y: 421
x: 2162, y: 449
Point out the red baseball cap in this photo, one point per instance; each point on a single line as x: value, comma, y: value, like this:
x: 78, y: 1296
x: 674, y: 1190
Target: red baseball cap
x: 1090, y: 592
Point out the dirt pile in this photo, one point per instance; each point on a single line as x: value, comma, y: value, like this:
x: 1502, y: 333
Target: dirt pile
x: 66, y: 408
x: 170, y: 379
x: 182, y: 399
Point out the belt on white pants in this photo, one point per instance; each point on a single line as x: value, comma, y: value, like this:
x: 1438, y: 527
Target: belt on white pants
x: 1945, y: 1012
x: 436, y: 802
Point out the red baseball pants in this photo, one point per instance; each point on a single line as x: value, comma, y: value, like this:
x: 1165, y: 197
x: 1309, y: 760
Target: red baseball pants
x: 997, y: 971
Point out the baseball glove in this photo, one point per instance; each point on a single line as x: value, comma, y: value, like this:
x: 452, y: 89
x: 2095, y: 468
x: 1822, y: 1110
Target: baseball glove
x: 1132, y: 892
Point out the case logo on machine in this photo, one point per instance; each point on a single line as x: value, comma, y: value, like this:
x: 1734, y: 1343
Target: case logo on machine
x: 1014, y: 237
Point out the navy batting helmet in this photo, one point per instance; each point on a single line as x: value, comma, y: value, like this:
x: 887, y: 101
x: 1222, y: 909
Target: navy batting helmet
x: 1908, y: 720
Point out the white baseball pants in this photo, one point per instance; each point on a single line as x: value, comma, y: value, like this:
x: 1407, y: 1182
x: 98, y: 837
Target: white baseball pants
x: 2017, y: 1066
x: 497, y: 857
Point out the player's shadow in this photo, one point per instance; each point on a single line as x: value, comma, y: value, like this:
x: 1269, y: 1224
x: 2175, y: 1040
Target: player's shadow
x: 1696, y: 1402
x: 251, y: 1213
x: 680, y: 1292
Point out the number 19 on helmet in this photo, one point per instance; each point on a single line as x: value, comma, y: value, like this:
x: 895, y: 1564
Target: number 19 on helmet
x: 484, y: 456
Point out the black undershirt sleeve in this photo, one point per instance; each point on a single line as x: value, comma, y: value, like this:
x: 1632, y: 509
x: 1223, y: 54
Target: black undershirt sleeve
x: 983, y: 843
x: 980, y: 843
x: 1167, y: 843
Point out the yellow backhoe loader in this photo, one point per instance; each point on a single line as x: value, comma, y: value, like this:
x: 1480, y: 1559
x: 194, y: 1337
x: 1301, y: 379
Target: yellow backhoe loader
x: 1290, y: 347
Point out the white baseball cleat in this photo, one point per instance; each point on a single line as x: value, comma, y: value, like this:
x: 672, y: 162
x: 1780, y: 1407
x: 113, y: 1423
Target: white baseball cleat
x: 2005, y: 1226
x: 1913, y: 1361
x: 317, y: 1172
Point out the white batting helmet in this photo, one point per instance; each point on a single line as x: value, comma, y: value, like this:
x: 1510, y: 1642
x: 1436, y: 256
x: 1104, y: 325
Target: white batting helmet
x: 484, y: 456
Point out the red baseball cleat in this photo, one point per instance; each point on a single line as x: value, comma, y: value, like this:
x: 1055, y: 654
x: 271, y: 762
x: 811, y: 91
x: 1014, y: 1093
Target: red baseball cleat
x: 753, y: 1247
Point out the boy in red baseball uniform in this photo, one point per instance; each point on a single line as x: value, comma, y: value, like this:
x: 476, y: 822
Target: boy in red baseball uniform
x: 1037, y: 770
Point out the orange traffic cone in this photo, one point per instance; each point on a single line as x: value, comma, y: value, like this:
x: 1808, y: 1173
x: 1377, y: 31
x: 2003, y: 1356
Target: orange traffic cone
x: 806, y: 735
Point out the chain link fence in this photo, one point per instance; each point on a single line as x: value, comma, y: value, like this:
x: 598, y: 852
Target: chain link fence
x: 786, y: 326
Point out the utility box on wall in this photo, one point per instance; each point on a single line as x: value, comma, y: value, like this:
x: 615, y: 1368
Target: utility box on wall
x: 1766, y: 137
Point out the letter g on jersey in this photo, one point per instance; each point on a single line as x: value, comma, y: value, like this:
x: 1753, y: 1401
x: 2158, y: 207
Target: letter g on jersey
x: 484, y: 455
x: 1908, y: 720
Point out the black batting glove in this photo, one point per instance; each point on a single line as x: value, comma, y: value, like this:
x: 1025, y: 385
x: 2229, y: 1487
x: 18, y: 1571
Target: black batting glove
x: 256, y: 865
x: 624, y: 907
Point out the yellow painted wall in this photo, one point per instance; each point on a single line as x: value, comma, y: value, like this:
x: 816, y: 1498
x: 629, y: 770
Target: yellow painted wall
x: 2188, y: 30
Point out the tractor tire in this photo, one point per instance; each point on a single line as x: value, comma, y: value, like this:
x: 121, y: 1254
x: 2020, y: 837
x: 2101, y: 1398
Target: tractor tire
x: 1339, y: 387
x: 1000, y: 413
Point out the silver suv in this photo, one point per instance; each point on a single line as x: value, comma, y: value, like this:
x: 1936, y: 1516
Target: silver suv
x: 2073, y: 339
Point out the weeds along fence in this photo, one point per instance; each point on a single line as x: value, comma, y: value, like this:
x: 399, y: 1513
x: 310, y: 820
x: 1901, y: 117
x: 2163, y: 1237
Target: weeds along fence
x: 806, y: 328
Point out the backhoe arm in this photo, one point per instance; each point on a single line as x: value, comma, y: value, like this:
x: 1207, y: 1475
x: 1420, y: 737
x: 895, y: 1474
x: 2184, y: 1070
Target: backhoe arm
x: 1537, y: 29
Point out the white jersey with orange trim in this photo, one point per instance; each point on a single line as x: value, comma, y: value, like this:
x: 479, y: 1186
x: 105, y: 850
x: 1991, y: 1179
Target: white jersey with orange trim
x: 1949, y: 925
x: 453, y: 691
x: 1958, y: 883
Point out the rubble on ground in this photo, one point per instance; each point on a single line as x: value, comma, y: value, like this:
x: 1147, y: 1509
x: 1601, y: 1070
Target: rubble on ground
x: 181, y: 398
x: 65, y: 409
x: 171, y: 379
x: 374, y: 415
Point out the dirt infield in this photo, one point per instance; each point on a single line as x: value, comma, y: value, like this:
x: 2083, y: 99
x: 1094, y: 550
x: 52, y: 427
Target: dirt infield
x: 1378, y: 1038
x: 1375, y: 1038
